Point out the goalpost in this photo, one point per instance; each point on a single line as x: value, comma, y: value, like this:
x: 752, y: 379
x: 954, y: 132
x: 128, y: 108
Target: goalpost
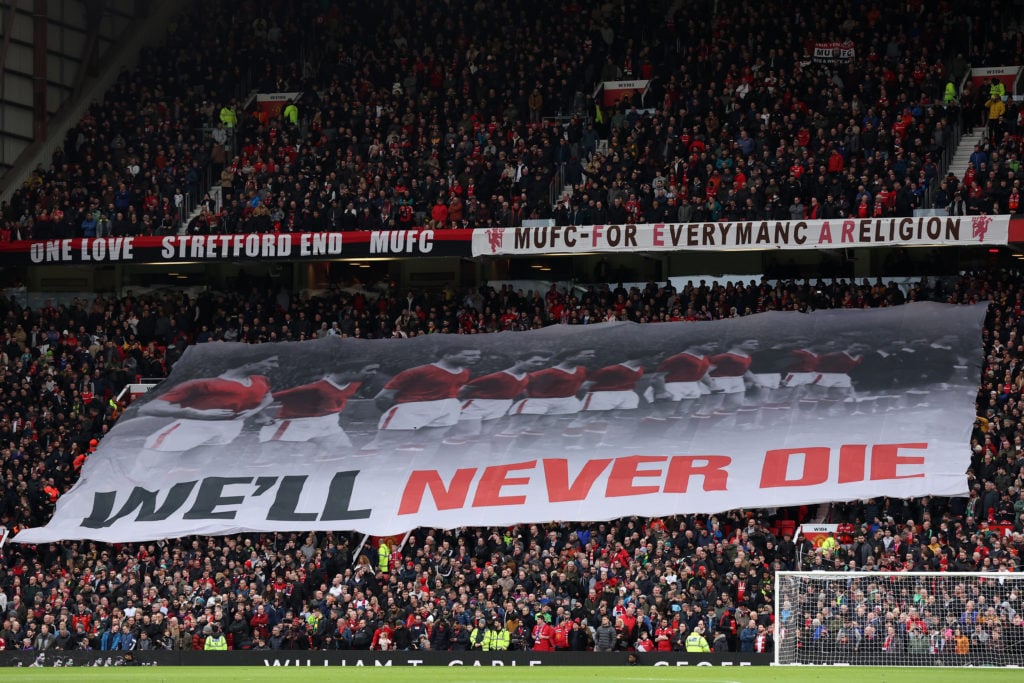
x: 899, y: 618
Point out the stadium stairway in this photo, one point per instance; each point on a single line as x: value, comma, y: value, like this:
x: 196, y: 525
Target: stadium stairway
x: 962, y: 157
x: 821, y: 514
x: 183, y: 227
x: 194, y: 208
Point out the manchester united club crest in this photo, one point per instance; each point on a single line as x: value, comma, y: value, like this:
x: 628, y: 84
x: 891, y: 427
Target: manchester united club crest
x: 495, y: 238
x: 979, y: 227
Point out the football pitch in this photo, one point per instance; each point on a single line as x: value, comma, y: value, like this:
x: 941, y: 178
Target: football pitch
x: 222, y: 674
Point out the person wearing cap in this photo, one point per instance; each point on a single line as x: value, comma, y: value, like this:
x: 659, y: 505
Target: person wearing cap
x: 215, y: 641
x: 695, y: 642
x: 478, y: 636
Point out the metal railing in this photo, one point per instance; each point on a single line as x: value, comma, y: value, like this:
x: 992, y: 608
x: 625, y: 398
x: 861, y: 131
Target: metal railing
x: 194, y: 195
x: 949, y: 150
x: 556, y: 185
x: 245, y: 93
x: 954, y: 132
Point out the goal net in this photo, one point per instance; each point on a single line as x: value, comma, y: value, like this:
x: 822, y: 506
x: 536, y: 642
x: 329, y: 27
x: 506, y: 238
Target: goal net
x: 899, y: 619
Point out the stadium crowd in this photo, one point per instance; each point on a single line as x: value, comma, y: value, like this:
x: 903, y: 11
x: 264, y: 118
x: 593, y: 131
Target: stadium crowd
x: 475, y: 124
x: 635, y: 584
x: 496, y: 126
x: 918, y: 621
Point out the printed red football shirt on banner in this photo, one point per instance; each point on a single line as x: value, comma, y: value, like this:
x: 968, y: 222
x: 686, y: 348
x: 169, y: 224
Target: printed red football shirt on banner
x: 427, y: 383
x: 314, y: 400
x: 208, y: 394
x: 498, y: 385
x: 556, y: 383
x: 684, y: 367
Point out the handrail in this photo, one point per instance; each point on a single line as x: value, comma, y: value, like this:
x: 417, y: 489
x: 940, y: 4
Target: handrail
x: 948, y: 150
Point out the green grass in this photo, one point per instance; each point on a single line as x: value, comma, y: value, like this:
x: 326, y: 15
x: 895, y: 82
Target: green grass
x: 221, y: 674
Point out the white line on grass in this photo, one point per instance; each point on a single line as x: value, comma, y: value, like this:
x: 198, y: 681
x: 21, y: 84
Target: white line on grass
x: 655, y: 678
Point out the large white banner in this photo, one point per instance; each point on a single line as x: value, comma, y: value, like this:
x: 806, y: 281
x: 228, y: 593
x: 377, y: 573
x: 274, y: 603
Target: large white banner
x: 565, y: 423
x: 725, y: 236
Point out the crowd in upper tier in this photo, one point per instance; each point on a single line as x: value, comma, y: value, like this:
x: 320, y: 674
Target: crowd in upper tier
x: 407, y: 116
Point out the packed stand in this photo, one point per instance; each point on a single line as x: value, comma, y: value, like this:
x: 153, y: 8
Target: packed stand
x: 941, y: 619
x: 143, y: 155
x: 441, y: 135
x: 994, y: 171
x: 496, y: 126
x: 629, y: 584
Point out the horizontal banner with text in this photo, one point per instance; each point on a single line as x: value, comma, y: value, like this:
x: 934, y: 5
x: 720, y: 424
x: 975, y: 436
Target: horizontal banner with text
x: 365, y: 658
x: 465, y: 243
x: 304, y: 246
x: 724, y: 236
